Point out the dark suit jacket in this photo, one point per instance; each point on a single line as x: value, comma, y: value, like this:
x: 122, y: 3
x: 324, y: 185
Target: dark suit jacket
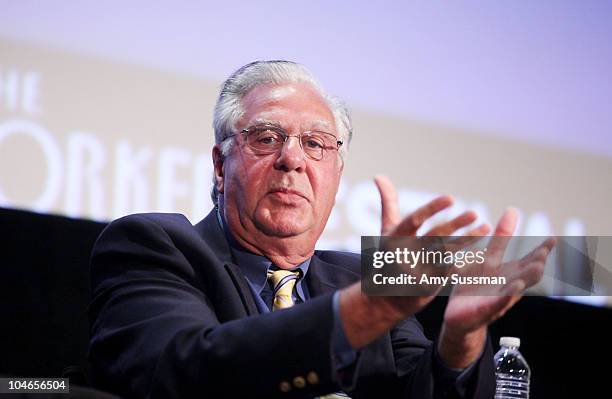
x: 172, y: 317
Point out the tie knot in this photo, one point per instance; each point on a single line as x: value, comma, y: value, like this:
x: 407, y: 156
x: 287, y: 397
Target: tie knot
x: 283, y: 282
x: 281, y: 275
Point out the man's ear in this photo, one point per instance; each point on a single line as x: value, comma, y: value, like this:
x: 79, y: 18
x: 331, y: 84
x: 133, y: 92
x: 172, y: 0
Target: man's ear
x: 218, y: 160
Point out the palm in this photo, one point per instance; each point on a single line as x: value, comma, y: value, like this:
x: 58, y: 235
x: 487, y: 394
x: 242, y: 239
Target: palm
x: 471, y: 312
x: 474, y: 306
x: 394, y: 226
x: 469, y: 307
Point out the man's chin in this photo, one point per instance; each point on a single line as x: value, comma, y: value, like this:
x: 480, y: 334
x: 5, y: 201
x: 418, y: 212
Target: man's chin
x: 283, y: 227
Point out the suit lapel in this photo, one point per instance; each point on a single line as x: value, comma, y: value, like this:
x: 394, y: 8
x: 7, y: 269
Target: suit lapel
x: 213, y: 234
x: 242, y: 286
x: 323, y: 277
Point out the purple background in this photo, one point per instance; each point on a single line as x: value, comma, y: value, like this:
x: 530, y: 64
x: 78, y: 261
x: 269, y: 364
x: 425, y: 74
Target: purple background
x: 536, y: 71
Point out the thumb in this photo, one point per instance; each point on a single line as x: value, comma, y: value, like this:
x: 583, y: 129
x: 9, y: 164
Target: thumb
x: 390, y: 214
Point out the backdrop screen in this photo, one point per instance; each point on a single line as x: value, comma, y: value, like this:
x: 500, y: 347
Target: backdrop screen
x: 106, y: 108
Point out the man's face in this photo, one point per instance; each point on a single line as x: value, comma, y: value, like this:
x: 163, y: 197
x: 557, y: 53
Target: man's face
x: 283, y: 194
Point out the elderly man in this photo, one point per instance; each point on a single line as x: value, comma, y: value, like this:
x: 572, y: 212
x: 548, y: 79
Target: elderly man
x: 194, y: 311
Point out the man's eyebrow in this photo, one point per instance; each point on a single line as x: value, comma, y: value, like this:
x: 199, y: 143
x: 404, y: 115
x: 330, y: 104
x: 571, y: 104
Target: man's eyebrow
x: 262, y: 121
x: 313, y: 125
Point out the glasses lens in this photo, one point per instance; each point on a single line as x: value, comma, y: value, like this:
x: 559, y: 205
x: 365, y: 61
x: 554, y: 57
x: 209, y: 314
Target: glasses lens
x: 316, y: 143
x: 265, y: 139
x: 269, y: 139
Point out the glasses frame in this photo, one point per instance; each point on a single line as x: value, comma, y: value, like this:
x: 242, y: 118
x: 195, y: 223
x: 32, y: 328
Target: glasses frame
x: 285, y: 136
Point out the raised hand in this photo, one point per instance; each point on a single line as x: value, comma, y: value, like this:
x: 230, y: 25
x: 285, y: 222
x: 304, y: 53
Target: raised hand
x: 392, y: 224
x: 396, y: 229
x: 366, y: 317
x: 471, y: 308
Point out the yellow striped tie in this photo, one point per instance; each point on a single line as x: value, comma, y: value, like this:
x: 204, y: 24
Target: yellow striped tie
x: 283, y: 282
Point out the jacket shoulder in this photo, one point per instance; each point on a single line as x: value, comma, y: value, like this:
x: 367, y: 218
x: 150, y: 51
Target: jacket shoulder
x: 163, y: 220
x: 132, y: 227
x: 144, y: 236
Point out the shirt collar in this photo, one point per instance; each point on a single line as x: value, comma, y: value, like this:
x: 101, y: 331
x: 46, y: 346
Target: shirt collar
x: 255, y: 267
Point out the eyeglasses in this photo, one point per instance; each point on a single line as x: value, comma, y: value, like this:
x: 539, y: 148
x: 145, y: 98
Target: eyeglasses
x: 268, y: 139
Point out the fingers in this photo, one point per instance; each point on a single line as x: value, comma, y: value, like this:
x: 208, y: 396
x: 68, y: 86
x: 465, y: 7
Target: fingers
x: 411, y: 223
x: 531, y: 267
x: 448, y: 228
x: 479, y: 231
x: 539, y: 253
x: 468, y: 239
x: 532, y: 273
x: 390, y: 213
x: 391, y: 222
x: 528, y: 271
x: 549, y: 244
x: 507, y: 223
x: 502, y: 235
x: 526, y: 277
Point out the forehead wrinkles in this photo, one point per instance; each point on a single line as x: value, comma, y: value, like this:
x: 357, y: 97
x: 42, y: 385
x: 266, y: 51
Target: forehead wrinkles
x: 306, y: 125
x: 297, y: 104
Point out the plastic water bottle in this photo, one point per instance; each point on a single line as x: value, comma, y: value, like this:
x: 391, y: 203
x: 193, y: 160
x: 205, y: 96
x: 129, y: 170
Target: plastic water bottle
x: 511, y: 370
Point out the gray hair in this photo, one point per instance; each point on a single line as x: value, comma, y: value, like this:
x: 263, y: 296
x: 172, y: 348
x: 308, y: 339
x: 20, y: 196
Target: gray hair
x: 228, y: 109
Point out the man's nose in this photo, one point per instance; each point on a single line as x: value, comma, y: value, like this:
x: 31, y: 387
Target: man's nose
x: 291, y: 156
